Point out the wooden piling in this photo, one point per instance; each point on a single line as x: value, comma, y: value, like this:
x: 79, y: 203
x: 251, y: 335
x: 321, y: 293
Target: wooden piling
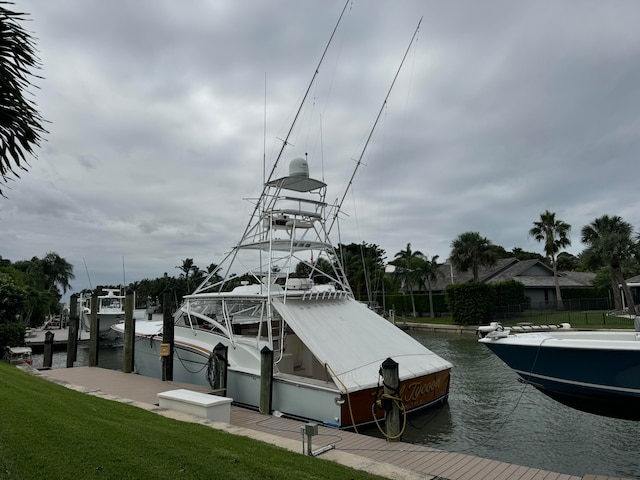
x: 129, y: 333
x: 221, y: 351
x: 391, y: 382
x: 74, y: 323
x: 47, y: 361
x: 167, y: 337
x: 94, y: 331
x: 266, y: 380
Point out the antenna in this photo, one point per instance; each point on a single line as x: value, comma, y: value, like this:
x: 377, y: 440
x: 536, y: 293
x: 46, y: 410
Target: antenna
x: 264, y: 133
x: 285, y: 142
x: 384, y: 103
x: 87, y: 270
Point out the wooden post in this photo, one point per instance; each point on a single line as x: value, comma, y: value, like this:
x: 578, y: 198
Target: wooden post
x: 167, y: 337
x: 47, y: 361
x: 391, y: 382
x: 129, y: 333
x: 94, y: 331
x: 266, y: 377
x: 74, y: 321
x: 221, y: 351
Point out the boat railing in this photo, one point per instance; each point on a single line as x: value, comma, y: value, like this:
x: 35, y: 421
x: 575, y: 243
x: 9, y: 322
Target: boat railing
x: 324, y: 295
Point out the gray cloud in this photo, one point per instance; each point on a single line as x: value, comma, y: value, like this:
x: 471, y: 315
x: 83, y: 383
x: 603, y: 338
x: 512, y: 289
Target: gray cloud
x: 503, y: 109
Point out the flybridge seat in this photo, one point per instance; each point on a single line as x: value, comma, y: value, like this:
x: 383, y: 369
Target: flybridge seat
x: 285, y: 245
x: 301, y: 213
x: 299, y: 284
x: 295, y: 219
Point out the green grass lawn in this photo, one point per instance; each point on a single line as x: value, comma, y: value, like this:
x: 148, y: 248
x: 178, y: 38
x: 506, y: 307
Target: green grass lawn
x: 49, y: 431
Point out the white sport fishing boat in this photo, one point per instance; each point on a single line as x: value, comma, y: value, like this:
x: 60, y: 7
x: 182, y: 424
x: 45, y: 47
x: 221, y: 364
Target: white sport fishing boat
x: 327, y: 347
x: 110, y: 310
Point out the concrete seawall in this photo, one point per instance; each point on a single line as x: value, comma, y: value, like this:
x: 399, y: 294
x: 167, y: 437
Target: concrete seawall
x: 438, y: 328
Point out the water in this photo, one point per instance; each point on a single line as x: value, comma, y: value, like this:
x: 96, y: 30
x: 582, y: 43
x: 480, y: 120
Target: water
x: 109, y: 356
x: 492, y: 415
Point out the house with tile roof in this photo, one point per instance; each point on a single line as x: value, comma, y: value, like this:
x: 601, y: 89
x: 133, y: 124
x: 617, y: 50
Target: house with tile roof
x: 536, y: 277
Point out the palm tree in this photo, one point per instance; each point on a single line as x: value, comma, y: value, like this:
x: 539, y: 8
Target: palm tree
x: 471, y: 251
x: 57, y: 271
x: 429, y: 272
x: 407, y: 263
x: 361, y: 263
x: 554, y: 234
x: 567, y: 262
x: 20, y: 122
x: 187, y: 267
x: 609, y: 242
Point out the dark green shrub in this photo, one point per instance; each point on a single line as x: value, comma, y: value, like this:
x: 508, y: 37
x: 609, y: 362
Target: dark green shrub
x: 11, y: 335
x: 509, y: 293
x: 470, y: 303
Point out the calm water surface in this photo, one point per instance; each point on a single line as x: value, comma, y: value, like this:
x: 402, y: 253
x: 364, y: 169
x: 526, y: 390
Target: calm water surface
x: 109, y: 356
x: 491, y: 415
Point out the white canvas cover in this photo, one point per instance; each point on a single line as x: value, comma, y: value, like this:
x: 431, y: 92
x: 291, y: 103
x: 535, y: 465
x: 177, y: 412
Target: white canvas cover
x: 354, y: 341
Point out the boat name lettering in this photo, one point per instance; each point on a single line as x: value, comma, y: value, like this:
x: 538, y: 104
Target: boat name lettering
x: 410, y: 392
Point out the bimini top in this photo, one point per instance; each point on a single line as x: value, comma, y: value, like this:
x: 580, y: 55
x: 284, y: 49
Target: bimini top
x: 297, y: 183
x: 298, y: 179
x: 354, y: 341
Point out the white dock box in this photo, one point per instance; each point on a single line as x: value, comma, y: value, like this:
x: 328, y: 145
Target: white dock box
x: 198, y: 404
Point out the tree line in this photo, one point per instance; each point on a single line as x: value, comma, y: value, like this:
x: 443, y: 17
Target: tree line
x: 30, y: 290
x: 612, y: 252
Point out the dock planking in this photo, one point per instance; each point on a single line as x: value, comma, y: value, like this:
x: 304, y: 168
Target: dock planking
x: 425, y: 462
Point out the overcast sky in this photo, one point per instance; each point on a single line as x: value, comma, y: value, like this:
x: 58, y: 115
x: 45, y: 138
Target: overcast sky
x: 157, y: 131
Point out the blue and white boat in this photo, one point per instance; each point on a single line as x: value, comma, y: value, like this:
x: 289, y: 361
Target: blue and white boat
x: 593, y: 371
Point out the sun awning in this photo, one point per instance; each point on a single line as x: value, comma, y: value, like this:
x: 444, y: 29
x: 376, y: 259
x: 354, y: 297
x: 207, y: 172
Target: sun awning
x: 354, y: 341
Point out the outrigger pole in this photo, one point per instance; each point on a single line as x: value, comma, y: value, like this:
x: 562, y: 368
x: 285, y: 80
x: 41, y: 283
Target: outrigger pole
x: 285, y: 142
x: 338, y: 206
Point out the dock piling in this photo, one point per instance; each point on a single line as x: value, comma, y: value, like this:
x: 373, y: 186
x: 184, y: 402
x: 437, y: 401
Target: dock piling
x: 94, y: 331
x: 220, y: 351
x: 47, y: 361
x: 167, y: 336
x: 129, y: 333
x: 74, y: 323
x: 391, y: 382
x: 266, y: 380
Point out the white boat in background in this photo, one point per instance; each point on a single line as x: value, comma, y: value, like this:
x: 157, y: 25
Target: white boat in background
x: 283, y: 287
x: 593, y: 371
x: 110, y: 310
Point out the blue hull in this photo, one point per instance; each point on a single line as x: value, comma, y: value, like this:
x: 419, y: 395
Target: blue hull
x: 601, y: 381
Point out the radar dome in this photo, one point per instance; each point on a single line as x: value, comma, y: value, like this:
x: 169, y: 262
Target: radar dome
x: 299, y: 168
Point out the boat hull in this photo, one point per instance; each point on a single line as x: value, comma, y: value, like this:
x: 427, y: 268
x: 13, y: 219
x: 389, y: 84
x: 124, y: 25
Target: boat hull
x: 415, y: 394
x: 599, y: 379
x: 292, y: 395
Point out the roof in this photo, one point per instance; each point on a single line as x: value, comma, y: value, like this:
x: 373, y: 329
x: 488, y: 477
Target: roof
x: 532, y: 273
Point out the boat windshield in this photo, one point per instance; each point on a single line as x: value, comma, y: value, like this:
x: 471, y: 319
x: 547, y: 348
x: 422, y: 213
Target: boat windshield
x: 111, y: 303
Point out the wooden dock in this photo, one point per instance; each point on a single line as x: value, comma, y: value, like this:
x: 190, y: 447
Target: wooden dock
x: 35, y: 337
x: 397, y: 460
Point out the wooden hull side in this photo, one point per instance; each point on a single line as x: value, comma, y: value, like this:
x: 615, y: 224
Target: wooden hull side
x: 416, y: 393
